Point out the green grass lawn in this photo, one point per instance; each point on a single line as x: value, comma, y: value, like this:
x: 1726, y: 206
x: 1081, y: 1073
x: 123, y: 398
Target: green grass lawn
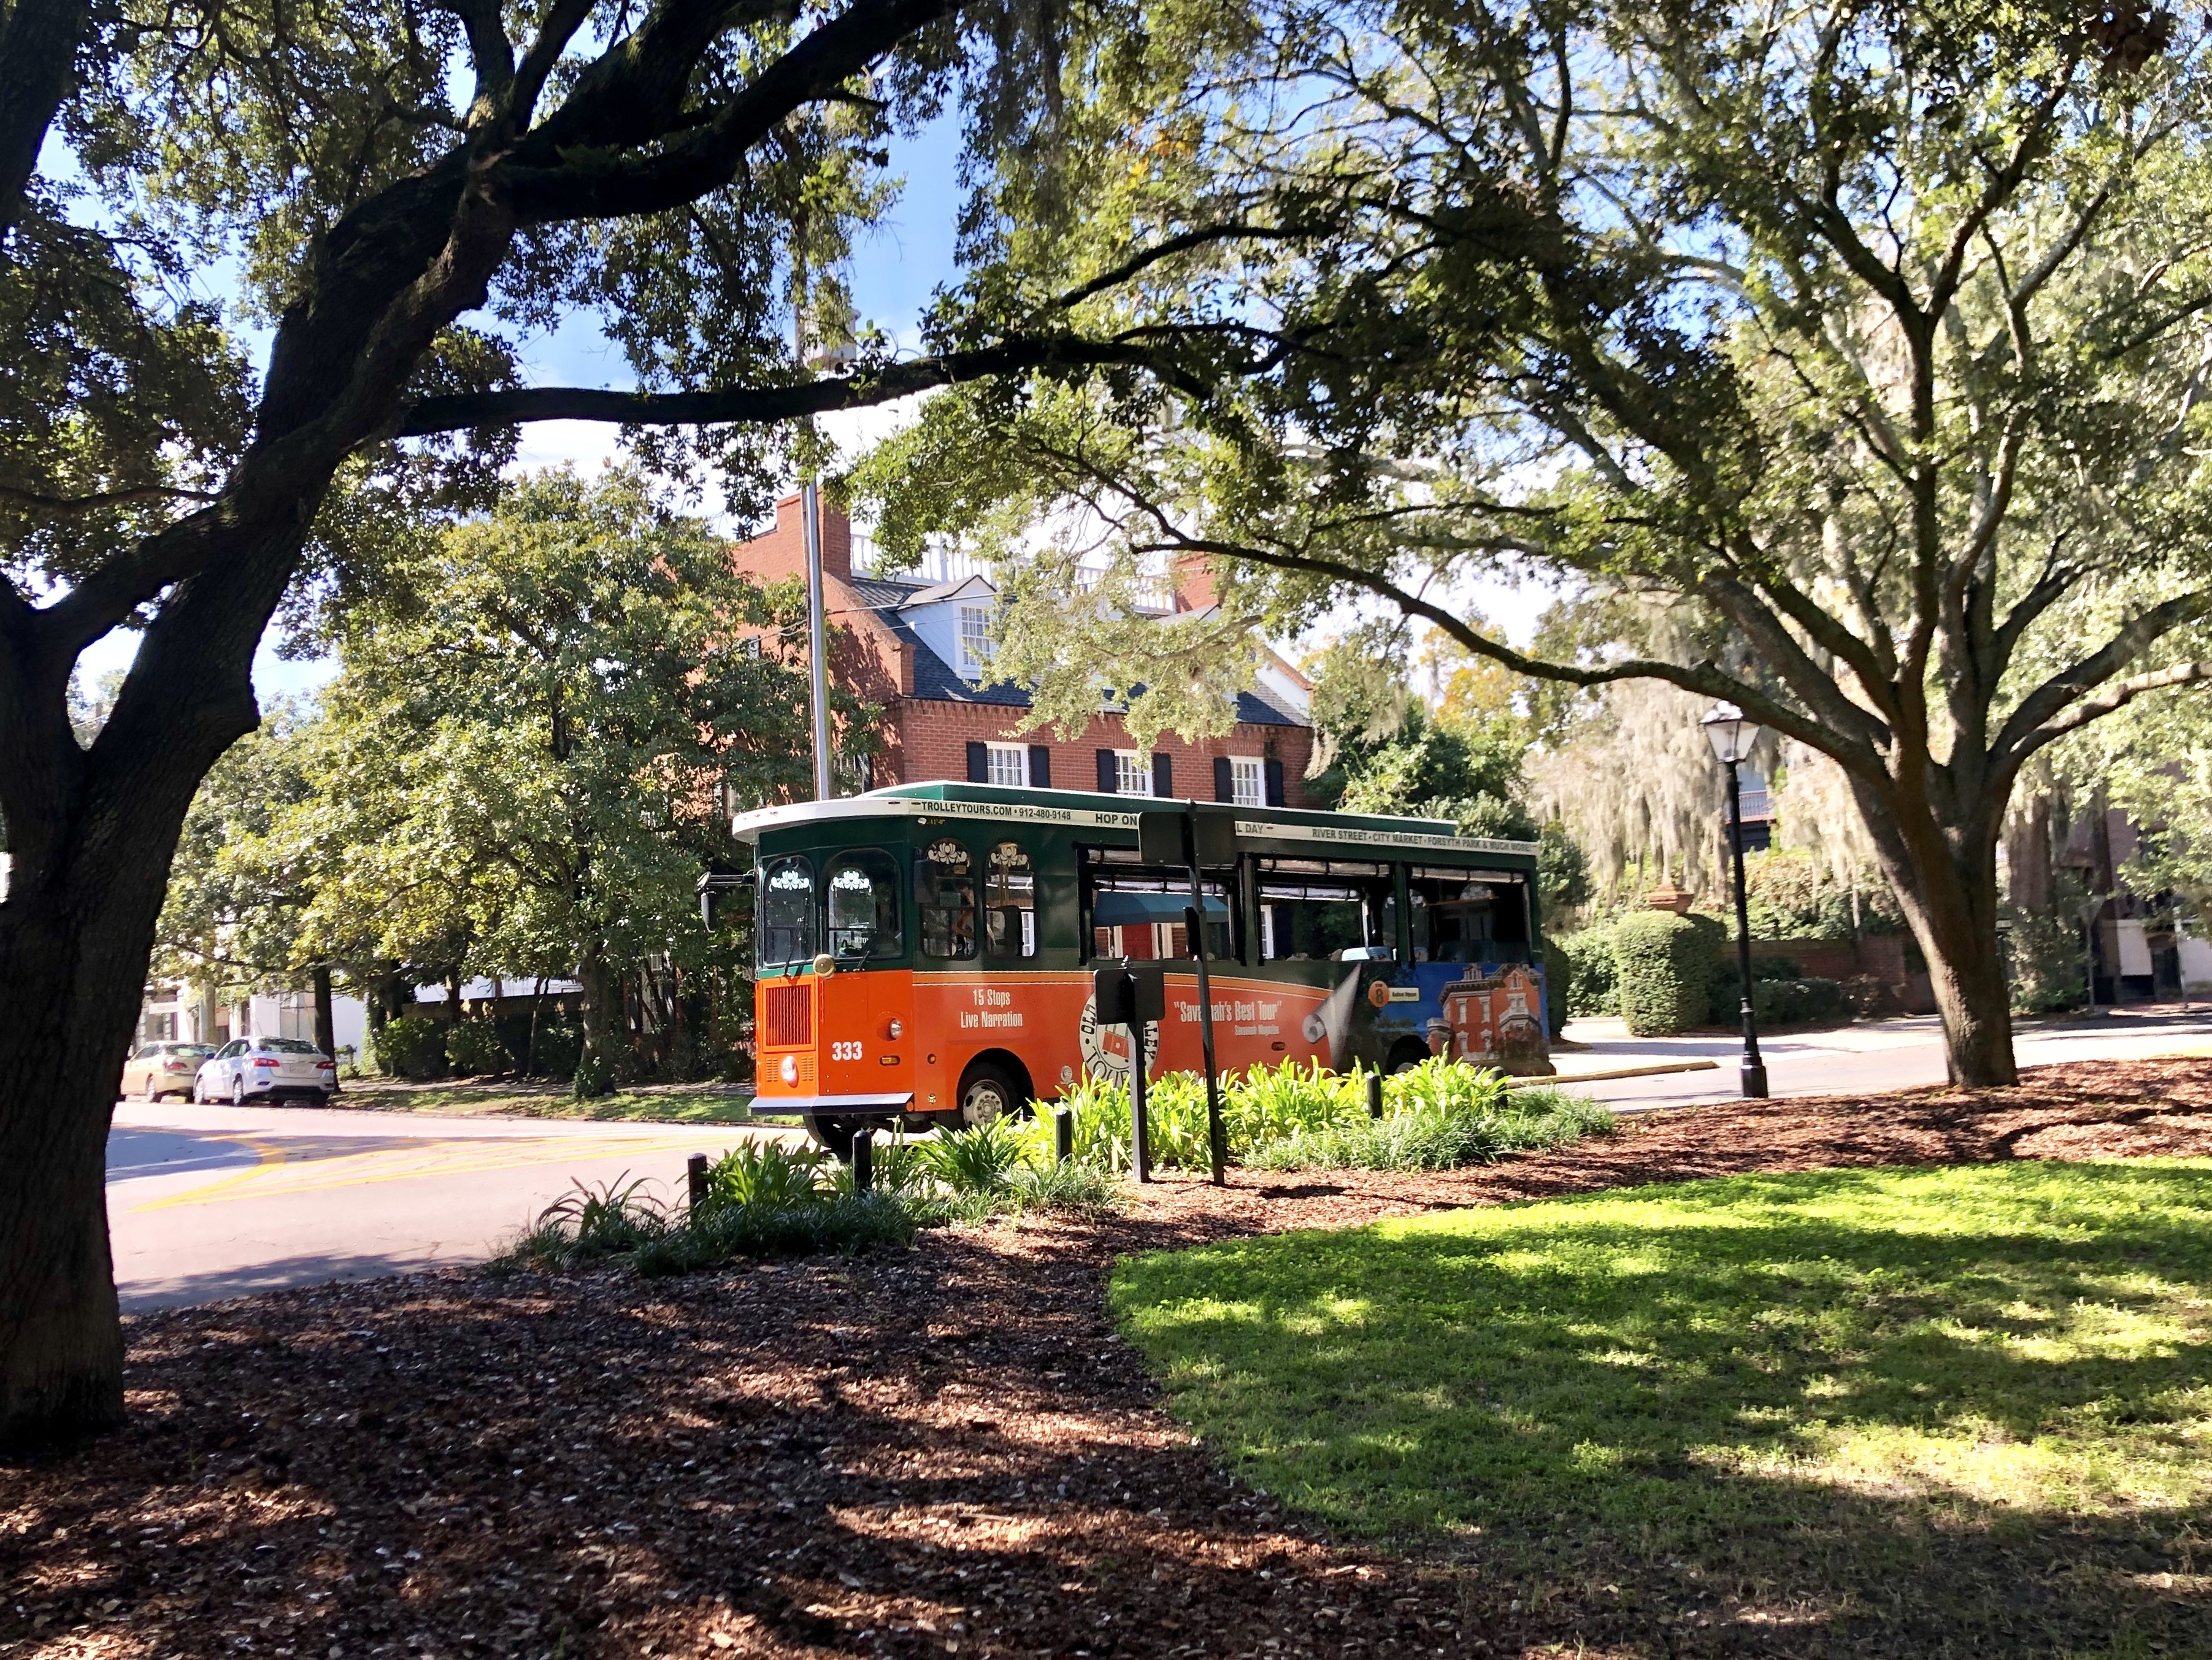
x: 1962, y: 1410
x: 680, y: 1105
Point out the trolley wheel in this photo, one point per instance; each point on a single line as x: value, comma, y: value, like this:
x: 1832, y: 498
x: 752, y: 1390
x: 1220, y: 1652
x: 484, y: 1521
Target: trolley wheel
x: 1405, y: 1056
x: 988, y: 1090
x: 834, y: 1132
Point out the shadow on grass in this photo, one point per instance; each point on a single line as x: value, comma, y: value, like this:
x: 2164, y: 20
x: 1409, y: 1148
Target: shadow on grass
x: 1960, y: 1406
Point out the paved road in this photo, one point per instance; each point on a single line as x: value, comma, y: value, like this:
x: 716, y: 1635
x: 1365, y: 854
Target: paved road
x: 1880, y: 1054
x: 208, y: 1202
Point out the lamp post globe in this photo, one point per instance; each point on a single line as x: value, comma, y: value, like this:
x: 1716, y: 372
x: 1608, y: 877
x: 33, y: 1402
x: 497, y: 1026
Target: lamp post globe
x: 1732, y: 737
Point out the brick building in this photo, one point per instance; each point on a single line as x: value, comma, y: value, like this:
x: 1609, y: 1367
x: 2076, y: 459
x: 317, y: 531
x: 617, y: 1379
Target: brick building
x: 916, y: 647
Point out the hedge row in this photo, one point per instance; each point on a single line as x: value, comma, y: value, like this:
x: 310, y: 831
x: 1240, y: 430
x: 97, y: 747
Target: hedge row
x: 1665, y: 974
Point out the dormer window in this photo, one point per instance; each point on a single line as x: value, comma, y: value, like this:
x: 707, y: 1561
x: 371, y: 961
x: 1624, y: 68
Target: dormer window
x: 975, y: 640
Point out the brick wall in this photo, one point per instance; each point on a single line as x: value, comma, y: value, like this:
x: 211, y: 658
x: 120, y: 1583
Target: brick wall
x: 928, y: 741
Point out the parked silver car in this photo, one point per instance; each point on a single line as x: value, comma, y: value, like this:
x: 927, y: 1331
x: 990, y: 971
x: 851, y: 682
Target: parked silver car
x: 266, y: 1069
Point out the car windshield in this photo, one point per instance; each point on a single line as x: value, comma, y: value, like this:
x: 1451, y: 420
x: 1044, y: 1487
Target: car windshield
x: 286, y: 1046
x: 203, y: 1051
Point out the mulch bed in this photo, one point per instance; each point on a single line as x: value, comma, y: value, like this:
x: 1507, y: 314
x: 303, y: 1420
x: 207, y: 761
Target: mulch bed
x: 941, y: 1451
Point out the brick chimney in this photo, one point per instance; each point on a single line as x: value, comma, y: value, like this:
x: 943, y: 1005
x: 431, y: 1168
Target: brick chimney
x: 1193, y: 583
x: 781, y: 553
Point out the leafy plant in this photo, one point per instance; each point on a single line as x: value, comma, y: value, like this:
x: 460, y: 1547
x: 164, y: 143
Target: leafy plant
x: 1662, y: 962
x: 981, y: 1159
x: 411, y: 1046
x: 475, y: 1049
x: 765, y: 1173
x: 614, y: 1216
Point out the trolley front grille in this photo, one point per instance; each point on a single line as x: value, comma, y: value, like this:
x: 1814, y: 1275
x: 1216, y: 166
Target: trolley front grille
x: 787, y: 1015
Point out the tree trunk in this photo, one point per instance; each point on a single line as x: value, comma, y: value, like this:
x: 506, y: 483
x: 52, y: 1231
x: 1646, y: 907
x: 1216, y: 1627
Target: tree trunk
x: 71, y: 1003
x: 326, y: 1024
x: 1945, y: 876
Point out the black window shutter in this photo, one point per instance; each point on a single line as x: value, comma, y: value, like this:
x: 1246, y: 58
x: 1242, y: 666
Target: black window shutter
x: 1225, y: 779
x: 1274, y: 782
x: 1040, y: 766
x: 1164, y: 776
x: 1107, y: 776
x: 979, y: 763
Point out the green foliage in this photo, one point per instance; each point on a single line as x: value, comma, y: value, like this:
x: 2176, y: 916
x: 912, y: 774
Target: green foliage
x: 1662, y: 964
x: 2046, y: 963
x: 411, y: 1046
x: 1809, y: 1000
x: 845, y: 1223
x: 980, y: 1160
x: 1788, y: 896
x: 1588, y: 987
x: 1830, y: 1377
x: 1437, y: 1116
x: 593, y: 1078
x: 766, y: 1173
x: 475, y: 1049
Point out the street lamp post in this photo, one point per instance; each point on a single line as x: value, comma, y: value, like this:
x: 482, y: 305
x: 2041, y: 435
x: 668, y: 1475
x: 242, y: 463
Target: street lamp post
x: 1731, y: 738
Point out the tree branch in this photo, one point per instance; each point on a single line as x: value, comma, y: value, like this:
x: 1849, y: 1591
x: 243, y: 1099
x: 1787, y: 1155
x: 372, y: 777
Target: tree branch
x: 2115, y: 697
x: 732, y: 404
x: 38, y: 51
x: 2039, y: 718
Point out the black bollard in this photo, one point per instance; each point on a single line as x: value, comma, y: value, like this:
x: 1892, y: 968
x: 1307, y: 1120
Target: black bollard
x: 694, y: 1172
x: 1063, y: 1135
x: 1374, y: 1095
x: 864, y: 1161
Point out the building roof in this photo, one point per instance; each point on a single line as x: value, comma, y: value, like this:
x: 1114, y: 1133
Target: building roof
x: 937, y: 681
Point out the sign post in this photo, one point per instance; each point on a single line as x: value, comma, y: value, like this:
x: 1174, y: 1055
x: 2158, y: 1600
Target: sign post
x: 1134, y: 998
x: 1197, y: 840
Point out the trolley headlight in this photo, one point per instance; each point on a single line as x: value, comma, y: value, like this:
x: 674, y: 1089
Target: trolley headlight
x: 897, y: 1030
x: 790, y: 1069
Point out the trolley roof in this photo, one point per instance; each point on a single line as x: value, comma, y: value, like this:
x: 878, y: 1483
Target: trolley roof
x: 1085, y: 809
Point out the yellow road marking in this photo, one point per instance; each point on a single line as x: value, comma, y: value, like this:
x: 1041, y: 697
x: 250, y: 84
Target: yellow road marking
x: 422, y: 1162
x: 268, y: 1155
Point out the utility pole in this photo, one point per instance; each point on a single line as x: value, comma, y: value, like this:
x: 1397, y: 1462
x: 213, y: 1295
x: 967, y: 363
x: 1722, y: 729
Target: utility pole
x: 809, y: 516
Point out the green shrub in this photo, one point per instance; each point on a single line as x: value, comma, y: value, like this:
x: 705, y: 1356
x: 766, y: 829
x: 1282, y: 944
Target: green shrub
x: 1268, y: 1102
x: 1587, y: 982
x: 593, y: 1078
x: 475, y: 1049
x: 981, y: 1159
x: 1558, y: 971
x: 764, y: 1173
x: 845, y: 1222
x: 1807, y: 1001
x: 2044, y: 963
x: 1435, y: 1121
x: 411, y: 1046
x: 1662, y: 963
x: 1724, y: 986
x: 552, y: 1052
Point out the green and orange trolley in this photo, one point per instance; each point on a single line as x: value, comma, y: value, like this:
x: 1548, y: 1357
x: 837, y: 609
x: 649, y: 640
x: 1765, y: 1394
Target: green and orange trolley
x: 926, y: 952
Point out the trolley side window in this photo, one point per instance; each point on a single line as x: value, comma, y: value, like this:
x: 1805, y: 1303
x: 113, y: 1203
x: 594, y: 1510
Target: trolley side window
x: 1010, y: 903
x: 787, y: 911
x: 945, y: 892
x: 861, y: 889
x: 1316, y: 910
x: 1138, y: 913
x: 1468, y: 916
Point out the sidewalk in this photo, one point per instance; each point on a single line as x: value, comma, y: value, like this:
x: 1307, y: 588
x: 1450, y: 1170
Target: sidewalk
x: 1862, y: 1058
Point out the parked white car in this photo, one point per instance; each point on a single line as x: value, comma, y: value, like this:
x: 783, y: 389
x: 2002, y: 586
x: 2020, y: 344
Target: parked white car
x: 266, y: 1069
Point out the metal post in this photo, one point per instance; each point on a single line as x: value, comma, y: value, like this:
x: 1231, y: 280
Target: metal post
x: 1217, y: 1134
x: 695, y: 1173
x: 1374, y: 1095
x: 810, y: 520
x: 1754, y: 1069
x: 1140, y: 1130
x: 1063, y: 1135
x: 864, y: 1160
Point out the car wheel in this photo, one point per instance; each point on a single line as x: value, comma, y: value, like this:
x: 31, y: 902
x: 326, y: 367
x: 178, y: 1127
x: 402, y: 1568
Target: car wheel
x: 238, y: 1091
x: 835, y: 1134
x: 152, y: 1093
x: 989, y: 1090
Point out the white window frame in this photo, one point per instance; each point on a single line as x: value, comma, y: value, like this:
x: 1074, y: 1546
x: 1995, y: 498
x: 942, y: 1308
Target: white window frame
x: 1008, y: 764
x: 973, y: 662
x: 1133, y: 773
x: 1248, y: 780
